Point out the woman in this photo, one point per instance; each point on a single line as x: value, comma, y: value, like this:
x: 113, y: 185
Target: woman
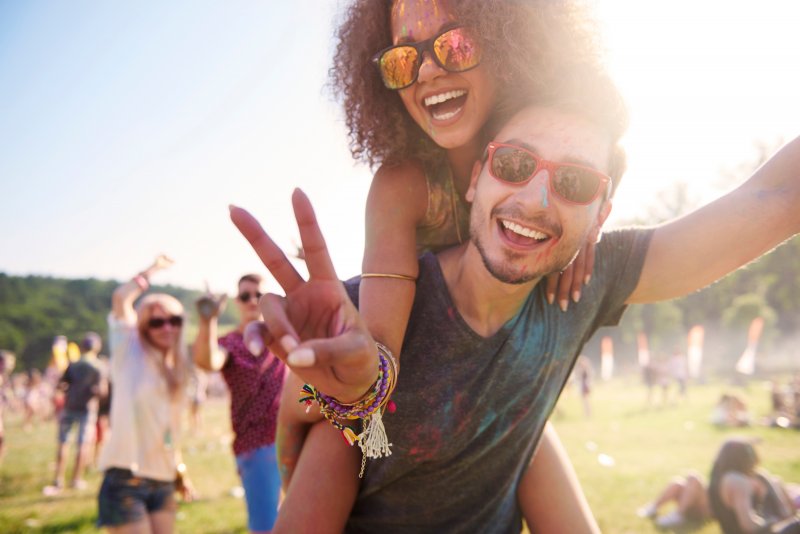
x: 148, y: 368
x: 742, y: 498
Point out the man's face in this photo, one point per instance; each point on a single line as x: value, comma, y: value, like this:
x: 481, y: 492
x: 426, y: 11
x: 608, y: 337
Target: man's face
x: 247, y: 301
x: 521, y: 231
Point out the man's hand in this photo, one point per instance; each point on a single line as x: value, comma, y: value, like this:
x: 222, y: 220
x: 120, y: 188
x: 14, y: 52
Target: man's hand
x: 210, y: 306
x: 315, y: 328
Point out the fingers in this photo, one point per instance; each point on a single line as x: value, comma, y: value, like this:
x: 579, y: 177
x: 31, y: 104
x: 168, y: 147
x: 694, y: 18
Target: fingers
x: 552, y: 285
x: 282, y: 337
x: 588, y: 250
x: 318, y: 259
x: 564, y: 285
x: 270, y: 254
x: 256, y: 337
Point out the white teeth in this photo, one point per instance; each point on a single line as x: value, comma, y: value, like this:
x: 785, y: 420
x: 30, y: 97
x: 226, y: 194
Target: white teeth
x: 444, y: 116
x: 526, y: 232
x: 438, y: 99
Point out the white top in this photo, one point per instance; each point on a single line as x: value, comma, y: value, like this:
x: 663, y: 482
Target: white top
x: 145, y: 419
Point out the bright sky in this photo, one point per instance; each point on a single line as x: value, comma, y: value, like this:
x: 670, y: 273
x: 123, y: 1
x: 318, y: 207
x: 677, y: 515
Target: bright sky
x: 126, y: 129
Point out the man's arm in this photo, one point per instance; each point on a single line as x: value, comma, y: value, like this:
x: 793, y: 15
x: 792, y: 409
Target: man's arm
x: 550, y: 494
x: 206, y: 352
x: 691, y: 252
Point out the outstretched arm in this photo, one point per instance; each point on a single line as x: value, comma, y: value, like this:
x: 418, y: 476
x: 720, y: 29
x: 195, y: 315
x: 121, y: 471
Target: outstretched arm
x: 691, y: 252
x: 206, y: 351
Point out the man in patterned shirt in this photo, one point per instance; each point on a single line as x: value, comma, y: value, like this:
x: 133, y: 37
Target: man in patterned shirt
x: 255, y: 384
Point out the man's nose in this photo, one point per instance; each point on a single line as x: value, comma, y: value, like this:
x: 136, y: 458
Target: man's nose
x: 536, y: 192
x: 429, y: 69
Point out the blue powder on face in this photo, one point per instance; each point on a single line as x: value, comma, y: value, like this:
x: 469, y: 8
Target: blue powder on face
x: 544, y: 196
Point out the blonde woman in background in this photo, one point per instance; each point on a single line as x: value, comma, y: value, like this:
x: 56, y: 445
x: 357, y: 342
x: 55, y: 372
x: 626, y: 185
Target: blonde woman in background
x: 148, y: 368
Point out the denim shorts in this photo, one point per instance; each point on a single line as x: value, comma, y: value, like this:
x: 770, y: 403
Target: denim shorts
x: 261, y: 480
x: 125, y: 498
x: 67, y: 420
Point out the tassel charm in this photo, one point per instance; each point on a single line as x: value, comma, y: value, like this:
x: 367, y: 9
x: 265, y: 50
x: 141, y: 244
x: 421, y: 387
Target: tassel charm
x: 373, y: 440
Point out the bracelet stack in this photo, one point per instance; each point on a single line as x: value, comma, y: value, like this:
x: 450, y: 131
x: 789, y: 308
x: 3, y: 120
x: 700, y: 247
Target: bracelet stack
x: 372, y: 441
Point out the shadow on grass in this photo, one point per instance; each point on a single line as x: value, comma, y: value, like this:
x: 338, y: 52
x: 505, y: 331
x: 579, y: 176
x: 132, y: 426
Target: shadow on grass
x: 85, y: 523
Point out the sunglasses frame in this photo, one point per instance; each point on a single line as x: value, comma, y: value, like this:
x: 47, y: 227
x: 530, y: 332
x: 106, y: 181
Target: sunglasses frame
x: 421, y: 47
x: 250, y: 295
x: 164, y: 321
x: 551, y: 167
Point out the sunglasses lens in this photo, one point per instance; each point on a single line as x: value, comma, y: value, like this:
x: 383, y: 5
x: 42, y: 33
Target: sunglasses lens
x: 512, y: 165
x: 456, y: 50
x: 157, y: 323
x: 575, y: 184
x: 176, y: 321
x: 398, y: 66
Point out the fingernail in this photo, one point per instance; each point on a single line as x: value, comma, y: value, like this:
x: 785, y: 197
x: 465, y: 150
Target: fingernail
x: 551, y: 297
x: 563, y: 303
x: 586, y: 279
x: 576, y: 296
x: 255, y: 345
x: 301, y: 358
x: 231, y: 207
x: 288, y: 343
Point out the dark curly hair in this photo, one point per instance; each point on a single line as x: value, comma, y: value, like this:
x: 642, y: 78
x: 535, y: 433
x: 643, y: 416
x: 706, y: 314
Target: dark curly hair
x: 530, y: 47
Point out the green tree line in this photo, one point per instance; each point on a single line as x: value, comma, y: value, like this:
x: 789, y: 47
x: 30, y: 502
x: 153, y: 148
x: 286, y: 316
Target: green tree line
x: 35, y: 309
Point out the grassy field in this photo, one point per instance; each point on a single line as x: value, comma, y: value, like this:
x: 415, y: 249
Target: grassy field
x: 624, y: 454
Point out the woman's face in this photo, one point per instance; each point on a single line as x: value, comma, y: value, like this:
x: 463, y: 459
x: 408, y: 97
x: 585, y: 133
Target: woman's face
x: 165, y: 336
x: 451, y: 107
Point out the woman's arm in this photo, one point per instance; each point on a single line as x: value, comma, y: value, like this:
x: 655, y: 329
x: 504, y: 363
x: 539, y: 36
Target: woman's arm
x: 397, y: 202
x: 126, y: 294
x: 550, y: 494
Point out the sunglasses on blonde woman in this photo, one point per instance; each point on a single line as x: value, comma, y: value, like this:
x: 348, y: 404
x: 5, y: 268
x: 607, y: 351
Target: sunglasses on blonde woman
x: 454, y: 50
x: 159, y: 322
x: 569, y: 182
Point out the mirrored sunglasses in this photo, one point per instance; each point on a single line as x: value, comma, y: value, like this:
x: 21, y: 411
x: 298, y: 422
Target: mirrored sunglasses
x: 454, y: 50
x: 569, y: 182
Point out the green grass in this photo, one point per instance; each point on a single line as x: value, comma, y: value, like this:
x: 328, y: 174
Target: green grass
x: 649, y: 445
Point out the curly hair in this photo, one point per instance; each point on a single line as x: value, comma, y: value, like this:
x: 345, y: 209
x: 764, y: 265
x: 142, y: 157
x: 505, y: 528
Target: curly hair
x: 531, y: 47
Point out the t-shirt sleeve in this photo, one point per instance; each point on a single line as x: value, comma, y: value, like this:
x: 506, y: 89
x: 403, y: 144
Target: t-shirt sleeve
x: 121, y: 334
x: 618, y: 266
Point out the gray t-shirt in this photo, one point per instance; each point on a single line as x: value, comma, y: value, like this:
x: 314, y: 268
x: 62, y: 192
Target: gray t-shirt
x: 470, y: 410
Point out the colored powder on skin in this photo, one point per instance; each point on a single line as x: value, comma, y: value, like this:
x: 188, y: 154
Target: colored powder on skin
x: 544, y: 196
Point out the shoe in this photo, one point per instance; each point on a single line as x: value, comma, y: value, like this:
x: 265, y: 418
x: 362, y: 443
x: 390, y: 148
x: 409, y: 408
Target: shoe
x: 648, y: 512
x: 671, y: 520
x: 78, y: 484
x: 52, y: 490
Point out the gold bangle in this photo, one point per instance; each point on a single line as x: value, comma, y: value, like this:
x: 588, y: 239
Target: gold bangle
x: 389, y: 275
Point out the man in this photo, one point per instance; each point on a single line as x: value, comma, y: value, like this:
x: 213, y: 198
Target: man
x: 255, y: 383
x: 81, y: 385
x: 485, y: 358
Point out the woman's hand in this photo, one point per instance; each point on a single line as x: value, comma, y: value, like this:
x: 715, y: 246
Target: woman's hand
x: 315, y: 328
x: 561, y: 287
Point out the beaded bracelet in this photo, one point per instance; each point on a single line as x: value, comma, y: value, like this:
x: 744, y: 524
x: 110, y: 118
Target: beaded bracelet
x: 372, y: 441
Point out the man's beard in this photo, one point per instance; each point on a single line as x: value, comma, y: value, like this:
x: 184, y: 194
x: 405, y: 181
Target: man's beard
x: 503, y: 270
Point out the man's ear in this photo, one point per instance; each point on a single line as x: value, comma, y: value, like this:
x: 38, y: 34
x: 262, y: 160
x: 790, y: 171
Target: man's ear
x: 602, y: 215
x: 473, y: 180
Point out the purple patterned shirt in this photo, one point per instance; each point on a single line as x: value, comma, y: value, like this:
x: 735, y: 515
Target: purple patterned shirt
x: 255, y: 383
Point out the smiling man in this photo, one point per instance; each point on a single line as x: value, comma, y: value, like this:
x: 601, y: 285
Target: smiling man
x: 485, y: 357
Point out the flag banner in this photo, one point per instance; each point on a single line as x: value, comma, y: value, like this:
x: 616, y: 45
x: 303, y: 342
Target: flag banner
x: 606, y: 358
x: 695, y: 350
x: 747, y: 363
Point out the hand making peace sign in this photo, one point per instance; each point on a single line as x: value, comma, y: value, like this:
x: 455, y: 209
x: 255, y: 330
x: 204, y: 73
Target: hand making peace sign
x: 315, y: 328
